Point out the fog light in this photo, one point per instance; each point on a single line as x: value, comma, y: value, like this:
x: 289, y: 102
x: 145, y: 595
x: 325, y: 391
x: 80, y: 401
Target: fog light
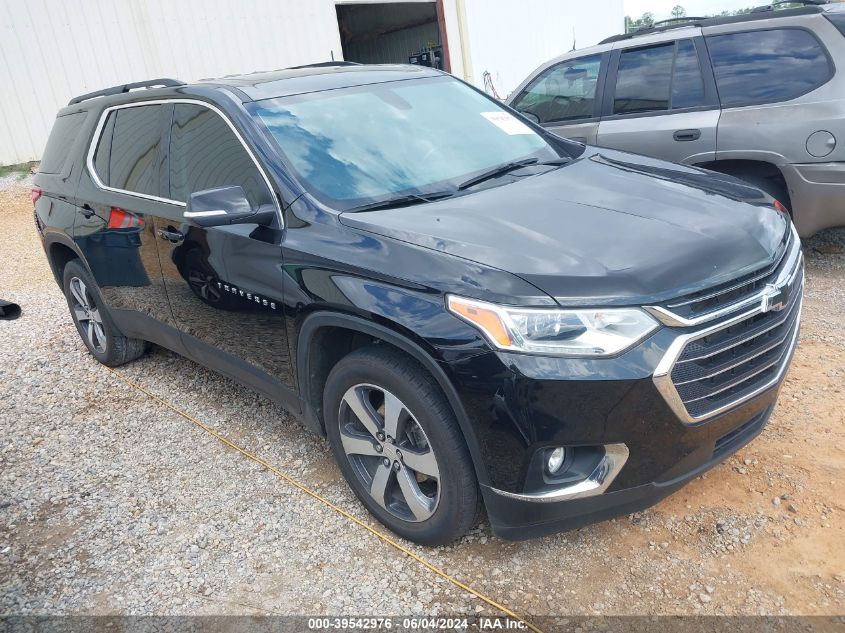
x: 555, y: 460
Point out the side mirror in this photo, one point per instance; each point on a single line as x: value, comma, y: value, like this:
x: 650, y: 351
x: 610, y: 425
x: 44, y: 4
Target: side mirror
x: 530, y: 116
x: 224, y: 206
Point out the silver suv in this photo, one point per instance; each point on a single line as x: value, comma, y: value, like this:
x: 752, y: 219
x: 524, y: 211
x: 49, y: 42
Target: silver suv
x: 757, y: 96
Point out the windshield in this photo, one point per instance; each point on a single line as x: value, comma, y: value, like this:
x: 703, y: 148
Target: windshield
x: 356, y: 146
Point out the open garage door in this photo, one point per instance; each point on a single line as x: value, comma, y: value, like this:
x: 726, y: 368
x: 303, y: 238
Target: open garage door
x: 393, y: 33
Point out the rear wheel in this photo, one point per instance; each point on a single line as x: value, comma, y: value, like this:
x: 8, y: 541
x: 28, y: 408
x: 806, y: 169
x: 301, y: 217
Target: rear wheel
x: 93, y: 321
x: 399, y: 446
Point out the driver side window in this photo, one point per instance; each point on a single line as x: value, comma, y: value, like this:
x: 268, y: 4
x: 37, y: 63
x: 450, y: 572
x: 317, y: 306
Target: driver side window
x: 565, y: 92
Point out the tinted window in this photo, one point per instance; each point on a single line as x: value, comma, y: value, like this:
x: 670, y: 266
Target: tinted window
x: 644, y: 79
x: 64, y: 133
x: 565, y: 92
x: 767, y: 66
x: 206, y: 154
x: 103, y: 153
x: 687, y: 83
x: 133, y: 154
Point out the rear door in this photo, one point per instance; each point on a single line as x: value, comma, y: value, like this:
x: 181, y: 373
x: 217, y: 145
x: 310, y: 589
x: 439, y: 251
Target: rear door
x: 566, y: 98
x: 661, y: 101
x: 118, y: 205
x: 224, y: 283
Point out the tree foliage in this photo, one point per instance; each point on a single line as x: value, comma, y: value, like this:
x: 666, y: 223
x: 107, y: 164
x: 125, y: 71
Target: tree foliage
x: 647, y: 19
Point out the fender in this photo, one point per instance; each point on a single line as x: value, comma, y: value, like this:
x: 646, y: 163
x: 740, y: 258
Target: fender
x: 321, y: 319
x: 55, y: 237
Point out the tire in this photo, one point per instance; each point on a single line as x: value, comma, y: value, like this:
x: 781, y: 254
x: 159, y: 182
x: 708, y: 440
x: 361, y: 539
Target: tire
x: 93, y: 322
x: 429, y: 463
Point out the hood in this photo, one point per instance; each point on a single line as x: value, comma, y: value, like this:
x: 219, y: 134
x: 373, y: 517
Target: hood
x: 608, y: 228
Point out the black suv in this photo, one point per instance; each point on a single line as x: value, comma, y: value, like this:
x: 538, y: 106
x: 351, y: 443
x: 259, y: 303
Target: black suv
x: 473, y: 310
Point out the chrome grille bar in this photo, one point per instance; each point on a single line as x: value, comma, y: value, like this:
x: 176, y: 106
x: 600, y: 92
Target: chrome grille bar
x: 790, y: 264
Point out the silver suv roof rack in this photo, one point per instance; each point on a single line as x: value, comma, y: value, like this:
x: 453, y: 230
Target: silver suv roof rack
x: 758, y: 13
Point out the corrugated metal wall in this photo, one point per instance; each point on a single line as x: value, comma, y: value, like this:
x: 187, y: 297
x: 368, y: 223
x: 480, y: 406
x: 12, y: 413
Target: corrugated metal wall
x: 52, y: 50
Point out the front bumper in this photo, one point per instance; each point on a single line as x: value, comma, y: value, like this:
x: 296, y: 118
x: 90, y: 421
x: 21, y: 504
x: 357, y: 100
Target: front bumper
x: 663, y: 413
x: 516, y: 519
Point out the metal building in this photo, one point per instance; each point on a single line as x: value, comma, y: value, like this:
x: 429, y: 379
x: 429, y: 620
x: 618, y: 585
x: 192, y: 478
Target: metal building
x: 51, y: 50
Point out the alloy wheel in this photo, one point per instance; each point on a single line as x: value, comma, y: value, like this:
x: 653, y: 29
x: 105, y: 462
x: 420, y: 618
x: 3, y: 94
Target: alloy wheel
x: 203, y: 286
x: 389, y: 452
x: 87, y: 315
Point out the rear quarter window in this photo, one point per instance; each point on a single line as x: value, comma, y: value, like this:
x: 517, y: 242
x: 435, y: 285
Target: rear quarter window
x: 61, y: 139
x: 767, y: 66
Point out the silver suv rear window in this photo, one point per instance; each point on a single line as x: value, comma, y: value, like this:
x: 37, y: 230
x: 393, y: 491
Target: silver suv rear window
x: 767, y: 66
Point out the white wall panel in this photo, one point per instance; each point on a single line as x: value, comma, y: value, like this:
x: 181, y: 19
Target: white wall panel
x: 52, y: 50
x: 511, y: 38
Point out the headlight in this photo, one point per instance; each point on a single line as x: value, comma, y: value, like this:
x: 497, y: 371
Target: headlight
x: 593, y: 332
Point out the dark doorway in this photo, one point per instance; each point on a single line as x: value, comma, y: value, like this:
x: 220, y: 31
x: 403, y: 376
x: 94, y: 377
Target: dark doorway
x: 392, y: 33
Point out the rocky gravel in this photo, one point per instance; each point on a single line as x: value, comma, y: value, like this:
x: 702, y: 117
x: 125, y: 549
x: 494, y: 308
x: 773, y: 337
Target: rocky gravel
x: 111, y: 503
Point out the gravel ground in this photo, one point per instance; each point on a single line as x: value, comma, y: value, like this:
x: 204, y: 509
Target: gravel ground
x: 111, y: 503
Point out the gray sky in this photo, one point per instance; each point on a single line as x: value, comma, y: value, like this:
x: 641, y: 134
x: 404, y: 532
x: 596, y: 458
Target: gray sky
x: 661, y: 8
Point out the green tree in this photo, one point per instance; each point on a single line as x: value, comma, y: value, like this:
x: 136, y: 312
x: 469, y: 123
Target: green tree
x: 679, y: 12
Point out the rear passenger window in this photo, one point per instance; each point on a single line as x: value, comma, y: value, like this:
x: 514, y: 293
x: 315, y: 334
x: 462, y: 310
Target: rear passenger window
x: 206, y: 154
x: 656, y: 78
x: 767, y: 66
x: 566, y: 92
x: 128, y: 151
x: 64, y: 133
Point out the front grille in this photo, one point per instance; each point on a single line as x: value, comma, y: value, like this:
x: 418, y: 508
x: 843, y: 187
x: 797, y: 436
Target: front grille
x: 733, y: 292
x: 744, y: 348
x: 730, y: 364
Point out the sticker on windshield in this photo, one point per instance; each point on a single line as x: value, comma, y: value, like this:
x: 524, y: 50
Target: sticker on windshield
x: 508, y: 123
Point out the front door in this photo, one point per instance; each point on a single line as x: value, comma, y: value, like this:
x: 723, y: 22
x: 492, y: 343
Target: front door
x: 224, y: 283
x: 660, y: 103
x: 566, y: 98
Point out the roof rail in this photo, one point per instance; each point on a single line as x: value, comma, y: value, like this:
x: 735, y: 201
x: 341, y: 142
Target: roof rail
x: 324, y: 64
x: 116, y: 90
x: 760, y: 13
x: 680, y: 20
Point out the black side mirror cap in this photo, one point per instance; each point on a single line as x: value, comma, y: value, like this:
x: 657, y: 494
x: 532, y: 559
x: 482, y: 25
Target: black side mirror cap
x: 224, y: 206
x: 530, y: 116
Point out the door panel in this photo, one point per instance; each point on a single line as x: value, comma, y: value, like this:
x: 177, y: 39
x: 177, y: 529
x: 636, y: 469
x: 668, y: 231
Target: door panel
x: 682, y: 137
x: 581, y: 132
x: 117, y: 210
x: 224, y: 283
x: 661, y: 102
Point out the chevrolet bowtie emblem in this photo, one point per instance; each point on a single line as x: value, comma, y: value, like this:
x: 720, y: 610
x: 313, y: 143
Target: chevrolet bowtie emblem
x: 775, y: 298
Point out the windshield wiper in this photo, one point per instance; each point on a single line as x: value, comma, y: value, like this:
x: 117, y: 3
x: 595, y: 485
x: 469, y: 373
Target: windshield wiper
x: 496, y: 171
x: 557, y: 162
x: 402, y: 201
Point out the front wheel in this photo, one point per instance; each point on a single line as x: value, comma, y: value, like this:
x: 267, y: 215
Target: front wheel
x: 399, y: 446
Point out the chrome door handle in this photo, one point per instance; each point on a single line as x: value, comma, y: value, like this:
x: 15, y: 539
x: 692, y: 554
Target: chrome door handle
x: 171, y: 235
